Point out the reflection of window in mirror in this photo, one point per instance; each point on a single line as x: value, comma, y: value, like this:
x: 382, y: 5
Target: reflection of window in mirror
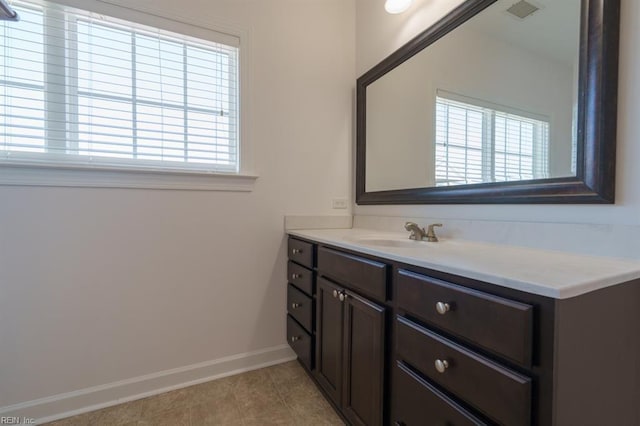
x: 477, y: 141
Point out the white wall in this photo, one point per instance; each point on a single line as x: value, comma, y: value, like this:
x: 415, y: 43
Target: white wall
x: 400, y: 152
x: 101, y: 285
x: 378, y: 34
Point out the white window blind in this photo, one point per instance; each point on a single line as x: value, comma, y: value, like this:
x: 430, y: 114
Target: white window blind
x: 476, y: 142
x: 81, y: 88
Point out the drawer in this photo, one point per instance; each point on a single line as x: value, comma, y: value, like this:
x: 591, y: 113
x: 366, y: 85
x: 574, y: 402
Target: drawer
x: 502, y: 326
x: 300, y: 341
x: 364, y: 275
x: 415, y: 400
x: 300, y: 276
x: 301, y: 252
x: 300, y: 307
x: 499, y: 393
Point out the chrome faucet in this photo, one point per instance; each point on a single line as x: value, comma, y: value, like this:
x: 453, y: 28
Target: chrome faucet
x: 419, y: 234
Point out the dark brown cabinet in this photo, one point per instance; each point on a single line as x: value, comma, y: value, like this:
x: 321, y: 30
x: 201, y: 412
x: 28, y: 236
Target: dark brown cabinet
x: 500, y: 325
x: 429, y: 311
x: 416, y: 400
x: 300, y: 300
x: 350, y: 352
x: 330, y: 339
x: 363, y: 364
x: 300, y: 307
x: 302, y: 252
x: 396, y: 344
x: 365, y: 276
x: 300, y: 341
x: 496, y: 391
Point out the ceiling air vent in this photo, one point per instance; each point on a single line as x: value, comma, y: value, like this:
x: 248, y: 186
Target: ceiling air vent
x: 522, y: 9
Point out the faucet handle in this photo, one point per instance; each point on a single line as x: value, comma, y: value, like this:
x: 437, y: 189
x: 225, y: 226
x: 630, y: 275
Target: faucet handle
x: 409, y: 225
x: 431, y: 233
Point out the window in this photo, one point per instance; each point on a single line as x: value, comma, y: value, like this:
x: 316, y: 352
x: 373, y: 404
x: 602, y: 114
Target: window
x: 478, y: 142
x: 78, y: 88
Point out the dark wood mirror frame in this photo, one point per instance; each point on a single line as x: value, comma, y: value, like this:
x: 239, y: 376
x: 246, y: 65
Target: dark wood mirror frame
x: 596, y: 126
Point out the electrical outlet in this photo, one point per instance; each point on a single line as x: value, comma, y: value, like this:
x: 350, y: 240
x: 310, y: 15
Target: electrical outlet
x: 339, y: 203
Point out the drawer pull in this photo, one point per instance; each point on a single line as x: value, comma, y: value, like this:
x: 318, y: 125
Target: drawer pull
x: 295, y: 339
x: 342, y: 296
x: 335, y: 293
x: 295, y: 305
x: 443, y: 308
x: 441, y: 365
x: 295, y: 276
x: 296, y: 251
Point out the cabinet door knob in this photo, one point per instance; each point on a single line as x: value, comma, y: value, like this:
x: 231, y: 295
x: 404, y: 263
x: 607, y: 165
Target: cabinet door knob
x: 295, y: 305
x: 342, y: 296
x: 443, y: 308
x: 295, y: 276
x: 296, y: 251
x: 335, y: 293
x: 294, y: 339
x: 441, y: 365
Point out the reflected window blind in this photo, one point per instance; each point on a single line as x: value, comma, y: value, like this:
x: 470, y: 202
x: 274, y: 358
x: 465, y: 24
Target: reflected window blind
x: 460, y: 140
x: 475, y: 143
x: 77, y: 87
x: 521, y: 147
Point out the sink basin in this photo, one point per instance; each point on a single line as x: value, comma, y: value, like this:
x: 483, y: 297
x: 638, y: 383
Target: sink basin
x: 393, y: 242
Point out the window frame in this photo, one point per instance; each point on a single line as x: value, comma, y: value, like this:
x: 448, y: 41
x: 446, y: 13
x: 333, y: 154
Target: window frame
x: 33, y: 171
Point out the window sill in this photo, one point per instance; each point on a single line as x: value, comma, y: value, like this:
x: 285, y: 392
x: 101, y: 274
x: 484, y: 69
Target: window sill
x: 12, y: 174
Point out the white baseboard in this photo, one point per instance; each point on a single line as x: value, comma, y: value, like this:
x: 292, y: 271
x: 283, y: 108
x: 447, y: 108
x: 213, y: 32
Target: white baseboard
x: 94, y: 398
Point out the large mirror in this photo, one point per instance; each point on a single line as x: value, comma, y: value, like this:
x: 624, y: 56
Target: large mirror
x: 502, y: 101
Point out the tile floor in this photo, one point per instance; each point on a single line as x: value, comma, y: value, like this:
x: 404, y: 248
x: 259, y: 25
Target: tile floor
x: 278, y: 395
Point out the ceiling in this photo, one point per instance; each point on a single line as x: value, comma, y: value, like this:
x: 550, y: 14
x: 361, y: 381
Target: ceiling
x: 552, y: 31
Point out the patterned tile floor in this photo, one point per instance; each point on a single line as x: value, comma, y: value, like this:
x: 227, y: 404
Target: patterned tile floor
x: 278, y: 395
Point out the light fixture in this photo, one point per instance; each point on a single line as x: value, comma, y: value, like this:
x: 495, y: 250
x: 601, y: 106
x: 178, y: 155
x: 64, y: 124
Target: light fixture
x: 7, y: 13
x: 395, y: 6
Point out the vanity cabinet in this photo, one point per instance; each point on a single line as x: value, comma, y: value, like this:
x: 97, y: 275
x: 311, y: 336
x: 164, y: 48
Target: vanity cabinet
x: 393, y: 343
x: 351, y: 335
x: 336, y: 324
x: 330, y: 340
x: 350, y: 352
x: 416, y: 400
x: 500, y: 325
x: 300, y: 300
x: 428, y: 311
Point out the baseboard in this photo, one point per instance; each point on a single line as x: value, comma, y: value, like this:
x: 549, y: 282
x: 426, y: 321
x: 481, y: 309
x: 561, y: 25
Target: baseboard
x: 94, y: 398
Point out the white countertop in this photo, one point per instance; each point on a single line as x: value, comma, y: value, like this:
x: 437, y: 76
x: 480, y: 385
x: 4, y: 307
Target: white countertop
x: 559, y: 275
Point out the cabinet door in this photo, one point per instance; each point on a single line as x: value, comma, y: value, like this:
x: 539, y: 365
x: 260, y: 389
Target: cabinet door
x: 363, y: 361
x: 329, y: 339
